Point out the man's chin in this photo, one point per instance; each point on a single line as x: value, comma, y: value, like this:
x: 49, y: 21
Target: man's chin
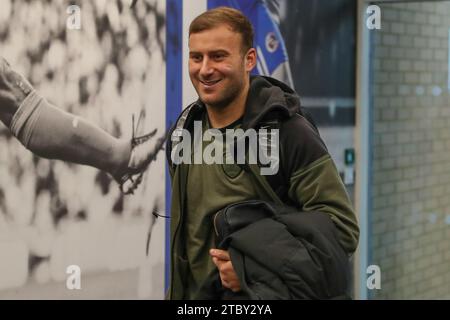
x: 210, y: 101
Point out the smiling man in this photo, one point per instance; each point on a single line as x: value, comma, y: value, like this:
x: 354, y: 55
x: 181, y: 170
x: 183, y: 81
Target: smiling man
x: 221, y: 58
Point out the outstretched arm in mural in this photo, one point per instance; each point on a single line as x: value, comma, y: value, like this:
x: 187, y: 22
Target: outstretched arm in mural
x: 52, y: 133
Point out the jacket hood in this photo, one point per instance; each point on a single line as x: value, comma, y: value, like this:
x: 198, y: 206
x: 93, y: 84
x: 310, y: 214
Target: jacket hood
x: 268, y: 95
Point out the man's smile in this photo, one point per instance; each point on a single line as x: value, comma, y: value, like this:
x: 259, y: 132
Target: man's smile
x: 209, y: 83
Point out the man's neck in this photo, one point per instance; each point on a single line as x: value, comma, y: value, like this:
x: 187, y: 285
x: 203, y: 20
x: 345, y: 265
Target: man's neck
x: 221, y: 117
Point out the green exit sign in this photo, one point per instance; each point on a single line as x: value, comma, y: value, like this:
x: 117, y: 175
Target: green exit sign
x: 349, y: 156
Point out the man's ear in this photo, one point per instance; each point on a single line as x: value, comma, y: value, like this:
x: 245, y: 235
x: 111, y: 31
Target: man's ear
x: 250, y: 59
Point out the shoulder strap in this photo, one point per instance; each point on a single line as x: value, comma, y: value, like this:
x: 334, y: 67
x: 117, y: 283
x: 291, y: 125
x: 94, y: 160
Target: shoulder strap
x: 277, y: 186
x: 277, y: 183
x: 271, y: 185
x: 177, y: 132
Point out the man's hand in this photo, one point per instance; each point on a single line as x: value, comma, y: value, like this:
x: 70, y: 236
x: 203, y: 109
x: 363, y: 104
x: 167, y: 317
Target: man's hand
x: 228, y: 276
x: 13, y: 90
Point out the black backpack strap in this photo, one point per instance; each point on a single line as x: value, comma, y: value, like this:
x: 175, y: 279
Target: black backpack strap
x: 177, y: 131
x: 278, y: 183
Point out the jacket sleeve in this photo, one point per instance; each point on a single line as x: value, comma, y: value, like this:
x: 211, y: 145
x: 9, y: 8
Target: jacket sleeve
x: 314, y: 182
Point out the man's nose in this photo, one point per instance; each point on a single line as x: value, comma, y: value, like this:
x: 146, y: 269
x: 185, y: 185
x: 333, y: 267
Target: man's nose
x: 206, y: 68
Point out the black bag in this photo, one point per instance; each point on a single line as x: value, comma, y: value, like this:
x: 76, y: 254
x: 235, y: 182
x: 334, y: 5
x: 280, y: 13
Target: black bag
x: 231, y: 218
x: 259, y: 236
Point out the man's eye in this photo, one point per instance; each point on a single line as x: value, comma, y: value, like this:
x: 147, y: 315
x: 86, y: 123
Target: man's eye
x: 218, y: 56
x: 196, y: 58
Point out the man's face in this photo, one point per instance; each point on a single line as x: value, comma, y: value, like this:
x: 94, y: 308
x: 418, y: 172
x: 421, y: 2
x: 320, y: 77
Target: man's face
x: 217, y: 66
